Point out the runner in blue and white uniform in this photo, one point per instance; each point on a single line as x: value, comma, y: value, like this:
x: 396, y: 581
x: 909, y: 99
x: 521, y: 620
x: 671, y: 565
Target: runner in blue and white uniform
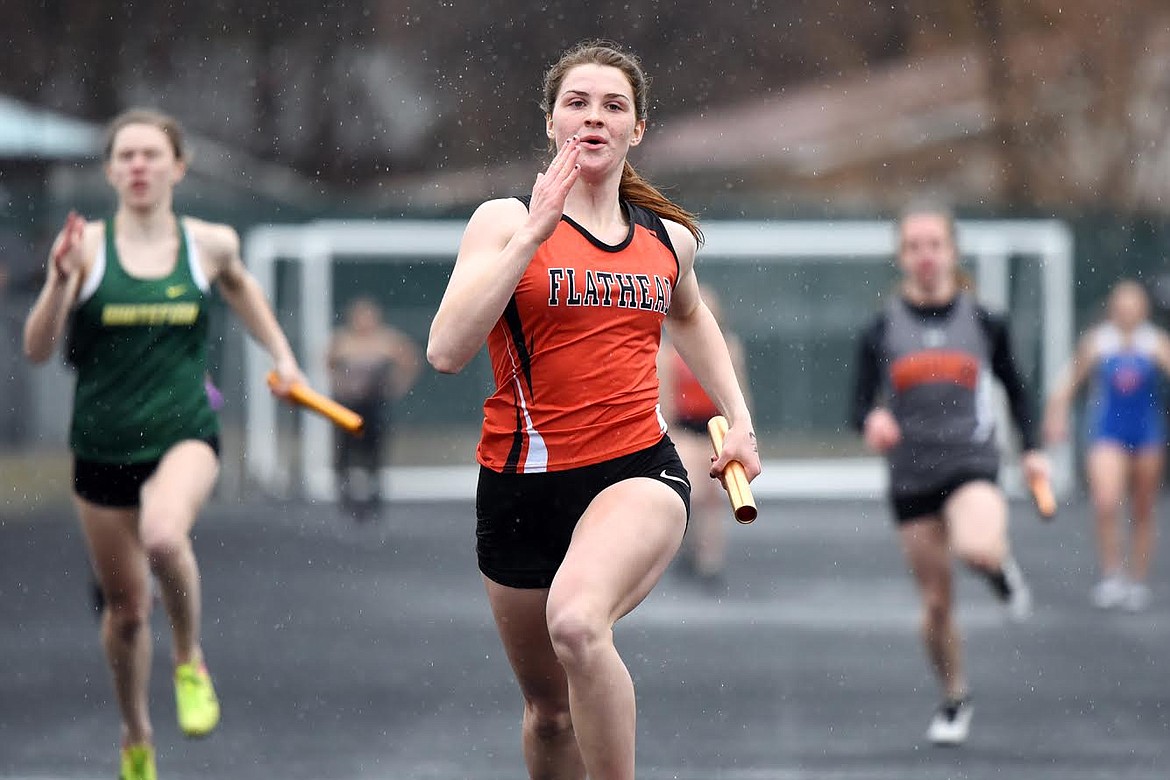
x: 1122, y: 361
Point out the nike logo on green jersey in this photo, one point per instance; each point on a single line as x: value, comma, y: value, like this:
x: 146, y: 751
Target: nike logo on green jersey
x: 175, y: 290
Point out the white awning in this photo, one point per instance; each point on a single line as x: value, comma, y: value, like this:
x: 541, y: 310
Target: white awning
x: 31, y: 133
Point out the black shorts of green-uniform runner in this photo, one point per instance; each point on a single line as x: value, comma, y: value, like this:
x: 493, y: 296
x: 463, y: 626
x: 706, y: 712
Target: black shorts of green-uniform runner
x: 117, y: 485
x: 525, y: 521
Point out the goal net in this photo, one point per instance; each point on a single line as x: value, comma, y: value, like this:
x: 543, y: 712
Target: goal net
x: 797, y: 294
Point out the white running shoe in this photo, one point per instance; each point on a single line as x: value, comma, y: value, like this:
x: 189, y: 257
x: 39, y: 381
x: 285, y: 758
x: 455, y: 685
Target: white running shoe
x: 951, y: 722
x: 1137, y: 597
x: 1110, y: 592
x: 1018, y: 598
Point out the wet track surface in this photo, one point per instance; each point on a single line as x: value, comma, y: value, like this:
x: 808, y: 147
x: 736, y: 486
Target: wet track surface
x: 344, y: 652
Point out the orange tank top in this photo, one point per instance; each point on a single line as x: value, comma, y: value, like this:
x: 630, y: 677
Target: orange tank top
x: 690, y: 400
x: 574, y: 353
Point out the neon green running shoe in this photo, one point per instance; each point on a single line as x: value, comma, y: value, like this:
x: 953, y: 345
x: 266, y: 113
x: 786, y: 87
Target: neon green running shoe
x: 138, y: 763
x: 195, y: 700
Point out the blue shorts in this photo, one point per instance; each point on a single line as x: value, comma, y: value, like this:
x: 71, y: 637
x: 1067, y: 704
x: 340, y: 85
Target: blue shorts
x: 1132, y: 436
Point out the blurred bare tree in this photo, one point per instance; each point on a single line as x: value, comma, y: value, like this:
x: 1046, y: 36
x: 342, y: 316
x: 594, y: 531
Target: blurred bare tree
x: 1080, y: 95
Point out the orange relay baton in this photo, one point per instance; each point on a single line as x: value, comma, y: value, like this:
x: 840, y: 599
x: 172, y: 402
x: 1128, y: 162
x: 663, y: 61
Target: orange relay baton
x: 303, y: 395
x: 735, y: 482
x: 1042, y: 494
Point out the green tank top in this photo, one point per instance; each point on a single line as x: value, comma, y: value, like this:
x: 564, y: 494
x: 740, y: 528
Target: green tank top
x: 140, y: 350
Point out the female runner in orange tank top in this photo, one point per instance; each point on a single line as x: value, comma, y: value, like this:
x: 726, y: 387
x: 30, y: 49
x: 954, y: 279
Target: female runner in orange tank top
x: 582, y: 500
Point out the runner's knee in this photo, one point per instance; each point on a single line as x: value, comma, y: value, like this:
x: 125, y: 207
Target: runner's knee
x: 162, y: 541
x: 127, y: 614
x: 936, y: 609
x: 575, y: 635
x: 987, y: 558
x: 548, y: 720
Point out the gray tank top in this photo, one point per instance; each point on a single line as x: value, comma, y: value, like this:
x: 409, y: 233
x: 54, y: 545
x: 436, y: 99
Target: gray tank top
x: 939, y: 385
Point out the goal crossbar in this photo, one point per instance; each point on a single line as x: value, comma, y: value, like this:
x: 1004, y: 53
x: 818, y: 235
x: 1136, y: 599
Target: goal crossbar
x: 317, y: 246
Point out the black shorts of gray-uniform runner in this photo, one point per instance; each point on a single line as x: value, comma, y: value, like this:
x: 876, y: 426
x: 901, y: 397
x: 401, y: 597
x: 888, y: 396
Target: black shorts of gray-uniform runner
x: 525, y: 521
x: 929, y: 503
x: 117, y: 485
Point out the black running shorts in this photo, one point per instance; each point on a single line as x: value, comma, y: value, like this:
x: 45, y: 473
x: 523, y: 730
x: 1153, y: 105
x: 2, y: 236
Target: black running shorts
x: 929, y: 504
x: 117, y: 485
x: 525, y: 521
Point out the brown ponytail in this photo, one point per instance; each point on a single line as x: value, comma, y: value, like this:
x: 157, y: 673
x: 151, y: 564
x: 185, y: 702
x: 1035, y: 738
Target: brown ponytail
x: 633, y: 187
x: 642, y: 193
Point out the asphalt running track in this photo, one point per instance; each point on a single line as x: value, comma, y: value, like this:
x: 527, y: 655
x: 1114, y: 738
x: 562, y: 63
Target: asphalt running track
x: 349, y: 653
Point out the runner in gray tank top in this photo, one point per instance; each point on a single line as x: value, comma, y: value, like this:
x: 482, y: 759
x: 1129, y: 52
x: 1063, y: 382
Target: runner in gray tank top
x: 923, y: 400
x: 935, y: 361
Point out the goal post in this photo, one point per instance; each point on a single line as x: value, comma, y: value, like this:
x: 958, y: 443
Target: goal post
x: 1020, y: 267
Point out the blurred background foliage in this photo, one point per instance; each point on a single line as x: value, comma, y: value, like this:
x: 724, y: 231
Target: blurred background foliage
x: 378, y: 103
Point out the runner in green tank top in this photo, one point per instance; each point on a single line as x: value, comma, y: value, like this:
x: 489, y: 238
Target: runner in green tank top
x: 146, y: 339
x: 144, y: 437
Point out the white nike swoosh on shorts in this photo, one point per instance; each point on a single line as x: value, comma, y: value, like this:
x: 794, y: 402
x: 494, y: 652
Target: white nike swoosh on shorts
x: 664, y: 475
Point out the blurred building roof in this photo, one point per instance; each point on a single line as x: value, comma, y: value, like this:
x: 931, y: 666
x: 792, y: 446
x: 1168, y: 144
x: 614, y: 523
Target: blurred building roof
x: 936, y: 122
x: 969, y: 124
x: 809, y: 138
x: 916, y: 118
x: 823, y: 126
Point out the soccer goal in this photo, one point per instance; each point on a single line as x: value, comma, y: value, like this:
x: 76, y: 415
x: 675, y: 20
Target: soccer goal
x: 797, y: 293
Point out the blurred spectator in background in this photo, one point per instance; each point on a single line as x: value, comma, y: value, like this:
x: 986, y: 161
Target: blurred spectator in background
x: 371, y: 365
x: 687, y: 410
